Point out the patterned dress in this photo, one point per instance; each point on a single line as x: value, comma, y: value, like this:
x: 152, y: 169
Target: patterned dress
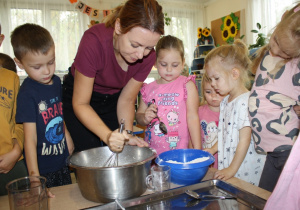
x: 171, y: 102
x: 233, y: 117
x: 275, y: 125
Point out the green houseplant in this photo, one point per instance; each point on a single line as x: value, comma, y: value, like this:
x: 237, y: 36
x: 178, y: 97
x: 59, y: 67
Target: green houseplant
x: 261, y: 39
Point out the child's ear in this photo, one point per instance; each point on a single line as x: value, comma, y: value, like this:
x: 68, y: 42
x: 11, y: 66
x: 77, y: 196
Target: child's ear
x: 235, y: 73
x: 118, y: 26
x: 19, y: 64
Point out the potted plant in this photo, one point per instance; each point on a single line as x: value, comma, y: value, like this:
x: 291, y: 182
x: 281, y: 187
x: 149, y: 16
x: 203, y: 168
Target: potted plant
x: 261, y: 39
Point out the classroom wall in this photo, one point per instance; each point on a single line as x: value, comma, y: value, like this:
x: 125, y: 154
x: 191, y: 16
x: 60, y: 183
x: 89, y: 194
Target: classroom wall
x: 216, y: 9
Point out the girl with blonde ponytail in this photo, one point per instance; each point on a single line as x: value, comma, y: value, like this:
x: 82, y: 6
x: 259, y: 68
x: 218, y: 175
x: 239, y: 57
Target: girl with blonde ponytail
x: 227, y: 68
x: 275, y: 96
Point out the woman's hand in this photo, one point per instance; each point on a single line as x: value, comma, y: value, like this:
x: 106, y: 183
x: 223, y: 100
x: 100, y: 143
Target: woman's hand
x: 224, y: 174
x: 134, y: 140
x: 116, y: 140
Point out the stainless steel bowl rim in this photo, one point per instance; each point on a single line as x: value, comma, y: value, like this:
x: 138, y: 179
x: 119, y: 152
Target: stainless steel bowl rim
x: 112, y: 168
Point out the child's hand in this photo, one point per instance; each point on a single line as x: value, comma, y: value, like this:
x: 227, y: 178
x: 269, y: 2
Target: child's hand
x: 297, y: 110
x: 50, y: 194
x: 224, y: 174
x: 150, y: 113
x: 209, y: 150
x: 8, y: 160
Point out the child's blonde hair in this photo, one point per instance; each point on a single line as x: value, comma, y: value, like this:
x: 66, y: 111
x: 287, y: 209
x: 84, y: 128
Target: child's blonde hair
x: 232, y: 56
x: 289, y: 29
x: 205, y: 79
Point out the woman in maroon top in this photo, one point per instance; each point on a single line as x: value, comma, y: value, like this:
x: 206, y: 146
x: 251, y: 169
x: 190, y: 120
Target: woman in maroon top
x: 112, y: 61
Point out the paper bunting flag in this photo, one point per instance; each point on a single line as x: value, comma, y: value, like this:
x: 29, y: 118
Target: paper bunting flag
x: 87, y: 10
x: 80, y: 6
x: 106, y: 12
x: 73, y: 1
x: 84, y: 8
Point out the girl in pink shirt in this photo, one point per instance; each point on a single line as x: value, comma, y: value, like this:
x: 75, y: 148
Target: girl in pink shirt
x: 172, y: 100
x: 209, y: 112
x: 276, y: 90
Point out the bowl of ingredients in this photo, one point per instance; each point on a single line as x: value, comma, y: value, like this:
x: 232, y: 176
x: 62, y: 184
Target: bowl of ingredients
x: 188, y: 166
x: 102, y: 182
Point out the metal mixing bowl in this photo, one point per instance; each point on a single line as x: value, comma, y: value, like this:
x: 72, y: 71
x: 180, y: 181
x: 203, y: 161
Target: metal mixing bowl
x: 105, y: 184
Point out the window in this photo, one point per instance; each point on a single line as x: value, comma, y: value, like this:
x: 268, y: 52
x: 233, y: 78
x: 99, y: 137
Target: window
x: 62, y: 20
x: 186, y: 17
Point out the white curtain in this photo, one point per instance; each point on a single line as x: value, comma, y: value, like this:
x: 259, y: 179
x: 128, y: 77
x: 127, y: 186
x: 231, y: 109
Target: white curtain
x: 266, y: 12
x: 186, y: 17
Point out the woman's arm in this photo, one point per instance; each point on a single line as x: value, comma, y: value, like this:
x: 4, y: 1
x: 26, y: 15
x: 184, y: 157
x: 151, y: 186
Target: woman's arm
x: 192, y: 106
x: 83, y: 88
x: 126, y: 108
x: 126, y: 102
x: 240, y: 153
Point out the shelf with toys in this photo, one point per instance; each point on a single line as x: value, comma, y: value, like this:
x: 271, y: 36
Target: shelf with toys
x: 205, y: 43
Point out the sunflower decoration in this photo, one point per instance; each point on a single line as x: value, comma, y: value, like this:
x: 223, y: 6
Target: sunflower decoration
x: 203, y: 35
x: 225, y: 34
x: 206, y: 32
x: 199, y: 32
x: 230, y: 28
x: 228, y: 21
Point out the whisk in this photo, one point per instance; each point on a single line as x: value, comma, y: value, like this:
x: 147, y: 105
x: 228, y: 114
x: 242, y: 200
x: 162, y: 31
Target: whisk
x: 112, y: 161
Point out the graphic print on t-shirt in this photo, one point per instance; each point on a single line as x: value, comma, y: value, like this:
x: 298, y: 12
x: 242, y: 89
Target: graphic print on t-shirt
x: 173, y: 117
x: 5, y: 95
x: 172, y: 139
x: 211, y: 133
x: 54, y: 132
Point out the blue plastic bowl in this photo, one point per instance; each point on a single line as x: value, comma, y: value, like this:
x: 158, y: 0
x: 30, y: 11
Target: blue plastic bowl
x: 186, y: 174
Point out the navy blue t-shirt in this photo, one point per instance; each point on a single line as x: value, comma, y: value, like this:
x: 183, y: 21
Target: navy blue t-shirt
x: 42, y: 104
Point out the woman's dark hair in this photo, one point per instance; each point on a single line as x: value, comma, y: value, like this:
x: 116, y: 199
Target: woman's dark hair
x: 138, y: 13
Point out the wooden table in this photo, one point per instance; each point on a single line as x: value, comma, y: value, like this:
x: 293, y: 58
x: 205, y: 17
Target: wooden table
x: 69, y: 196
